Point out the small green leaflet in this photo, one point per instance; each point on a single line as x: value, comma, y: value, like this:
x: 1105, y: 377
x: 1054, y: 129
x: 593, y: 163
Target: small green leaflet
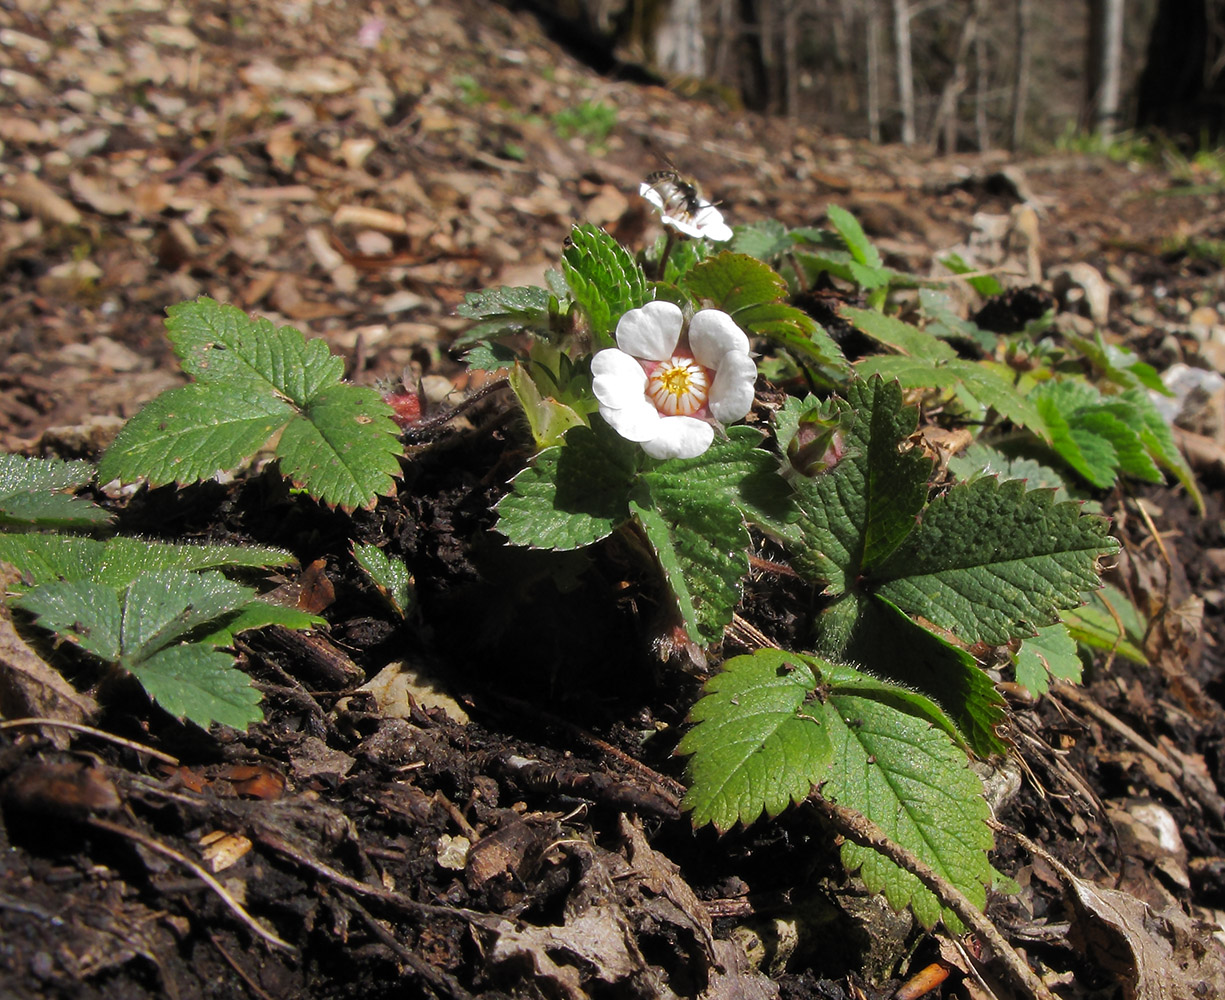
x: 856, y: 240
x: 899, y: 336
x: 391, y: 576
x: 604, y: 280
x: 31, y: 494
x: 337, y: 441
x: 752, y: 748
x: 571, y: 495
x: 1049, y: 654
x: 913, y: 782
x: 503, y: 310
x: 991, y: 562
x: 146, y: 628
x: 1109, y: 622
x: 986, y: 285
x: 754, y: 295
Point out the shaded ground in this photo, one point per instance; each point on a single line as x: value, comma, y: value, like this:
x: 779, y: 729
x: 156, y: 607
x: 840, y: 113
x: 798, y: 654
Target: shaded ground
x: 355, y: 175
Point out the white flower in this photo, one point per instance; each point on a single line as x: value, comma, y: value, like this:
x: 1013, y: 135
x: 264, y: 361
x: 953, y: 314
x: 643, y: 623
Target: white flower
x: 682, y: 208
x: 663, y: 390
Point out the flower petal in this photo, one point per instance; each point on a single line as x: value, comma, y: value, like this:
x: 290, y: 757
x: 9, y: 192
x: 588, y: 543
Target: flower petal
x: 637, y: 422
x: 712, y: 334
x: 648, y: 192
x: 731, y: 394
x: 680, y: 437
x: 616, y: 378
x: 651, y: 331
x: 710, y: 221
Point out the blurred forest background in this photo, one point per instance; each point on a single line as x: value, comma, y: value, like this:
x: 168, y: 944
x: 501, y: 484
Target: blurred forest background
x: 954, y: 74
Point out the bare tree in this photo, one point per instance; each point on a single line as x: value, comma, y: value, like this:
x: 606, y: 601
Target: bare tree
x: 872, y: 13
x: 905, y: 72
x: 1020, y: 80
x: 946, y: 118
x: 1106, y: 63
x: 678, y: 42
x: 982, y: 135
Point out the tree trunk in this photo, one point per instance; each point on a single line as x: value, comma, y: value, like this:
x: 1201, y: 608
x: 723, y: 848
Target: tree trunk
x: 1181, y: 89
x: 905, y: 73
x: 754, y: 82
x: 944, y: 127
x: 1105, y: 64
x: 1020, y: 80
x: 982, y: 135
x: 872, y: 12
x: 791, y: 58
x: 680, y: 49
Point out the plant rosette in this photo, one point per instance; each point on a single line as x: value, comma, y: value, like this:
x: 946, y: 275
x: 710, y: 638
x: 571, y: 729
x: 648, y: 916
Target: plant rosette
x: 664, y: 386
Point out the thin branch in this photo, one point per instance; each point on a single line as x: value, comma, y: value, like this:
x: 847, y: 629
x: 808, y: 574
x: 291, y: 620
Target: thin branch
x: 861, y: 830
x: 157, y: 847
x: 99, y: 733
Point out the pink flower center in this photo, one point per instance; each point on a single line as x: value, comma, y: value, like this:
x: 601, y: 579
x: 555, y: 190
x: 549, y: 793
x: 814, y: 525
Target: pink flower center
x: 679, y: 386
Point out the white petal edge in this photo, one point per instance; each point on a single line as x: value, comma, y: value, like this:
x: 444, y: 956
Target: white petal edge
x: 639, y: 422
x: 616, y: 378
x: 712, y: 334
x: 648, y: 192
x: 710, y: 221
x: 680, y: 437
x: 731, y: 393
x: 651, y: 331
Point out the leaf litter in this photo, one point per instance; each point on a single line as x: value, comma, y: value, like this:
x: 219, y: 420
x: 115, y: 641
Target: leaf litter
x: 279, y: 160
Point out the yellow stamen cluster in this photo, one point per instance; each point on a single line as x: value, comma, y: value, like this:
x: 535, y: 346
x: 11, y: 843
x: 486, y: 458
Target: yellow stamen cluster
x: 678, y: 387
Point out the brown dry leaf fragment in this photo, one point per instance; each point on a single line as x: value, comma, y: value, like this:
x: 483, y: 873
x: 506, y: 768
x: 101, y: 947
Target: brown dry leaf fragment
x: 36, y: 197
x: 104, y: 198
x: 361, y: 217
x: 221, y: 850
x: 255, y: 781
x: 1156, y: 956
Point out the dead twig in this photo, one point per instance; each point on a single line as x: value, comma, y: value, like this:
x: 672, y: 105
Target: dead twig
x: 1213, y: 804
x: 860, y: 830
x: 157, y: 847
x: 99, y: 733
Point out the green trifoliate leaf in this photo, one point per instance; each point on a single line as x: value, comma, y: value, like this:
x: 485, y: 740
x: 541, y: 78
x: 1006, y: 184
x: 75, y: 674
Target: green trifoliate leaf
x: 944, y: 321
x: 604, y: 279
x: 140, y: 627
x: 30, y: 493
x: 116, y: 562
x: 1049, y: 654
x: 571, y: 495
x: 753, y: 747
x: 913, y: 782
x: 391, y: 576
x: 979, y: 386
x: 1118, y: 364
x: 795, y: 330
x: 853, y: 516
x: 337, y: 441
x: 504, y: 310
x: 200, y: 683
x: 901, y: 337
x: 991, y: 562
